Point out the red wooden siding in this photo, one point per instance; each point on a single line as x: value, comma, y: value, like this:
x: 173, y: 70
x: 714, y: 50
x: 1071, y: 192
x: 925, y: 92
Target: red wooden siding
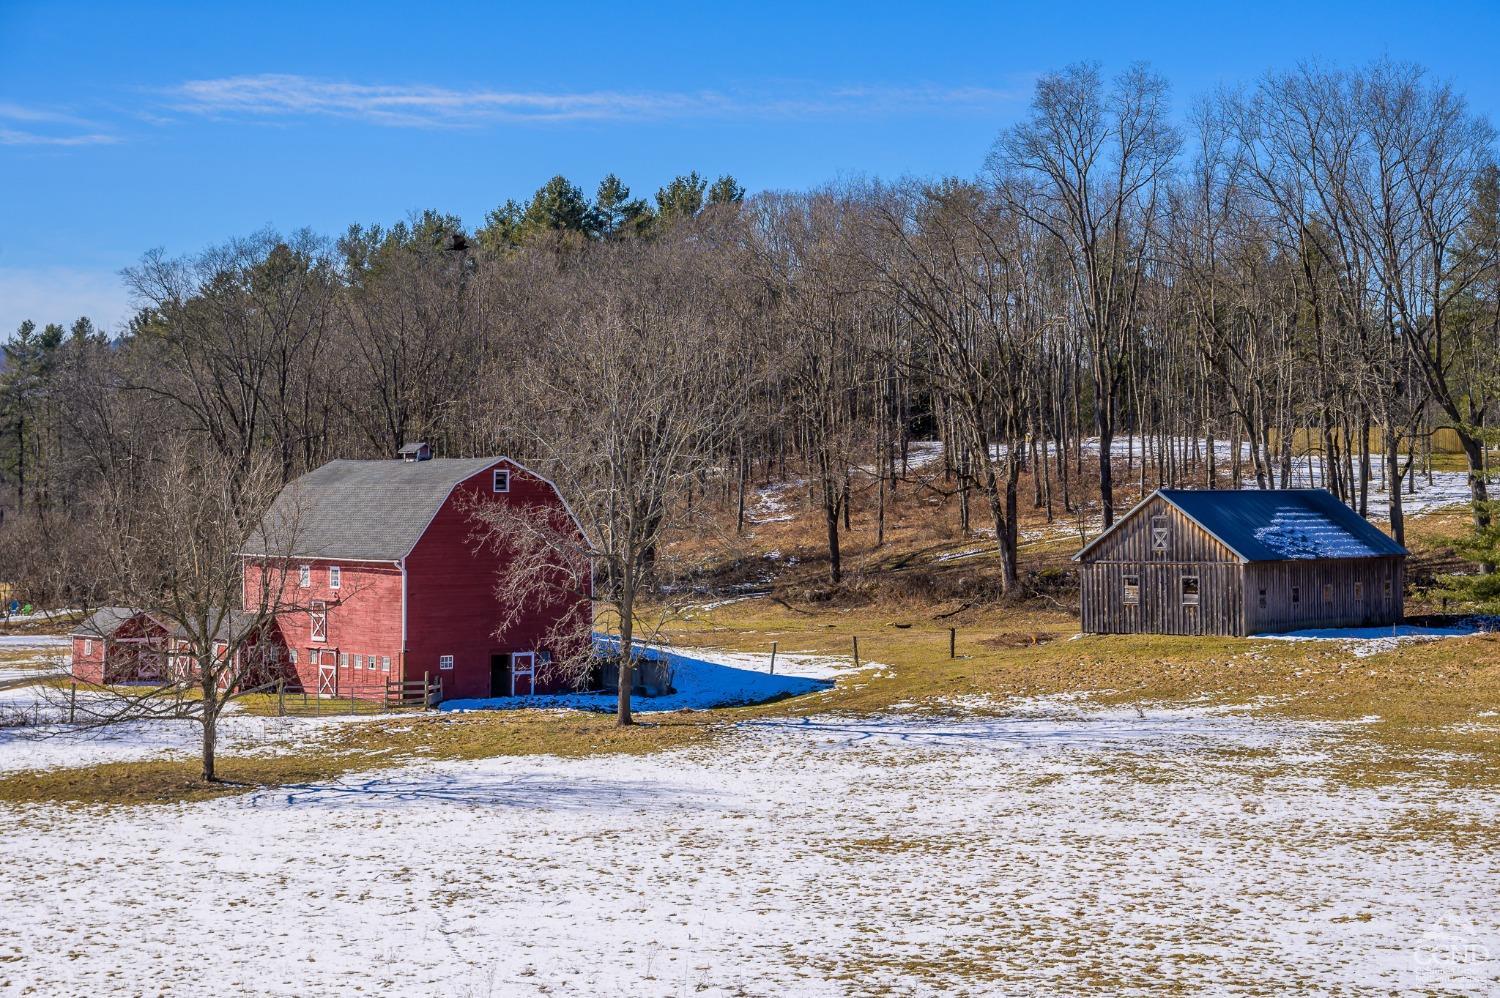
x: 451, y: 603
x: 363, y: 618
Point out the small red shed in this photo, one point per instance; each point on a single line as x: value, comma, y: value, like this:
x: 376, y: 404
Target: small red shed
x: 118, y: 644
x: 389, y: 582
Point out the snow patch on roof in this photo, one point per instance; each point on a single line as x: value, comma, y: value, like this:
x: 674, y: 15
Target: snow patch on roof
x: 1305, y: 533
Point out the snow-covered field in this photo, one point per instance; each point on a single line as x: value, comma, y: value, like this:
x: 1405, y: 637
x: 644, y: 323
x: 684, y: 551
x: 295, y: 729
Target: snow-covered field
x: 1056, y: 851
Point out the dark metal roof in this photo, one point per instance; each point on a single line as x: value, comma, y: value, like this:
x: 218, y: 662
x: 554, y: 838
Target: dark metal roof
x: 361, y: 510
x: 1277, y: 524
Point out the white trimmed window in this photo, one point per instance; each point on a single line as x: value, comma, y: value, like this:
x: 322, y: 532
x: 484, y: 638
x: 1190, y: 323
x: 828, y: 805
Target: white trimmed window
x: 502, y: 480
x: 318, y: 615
x: 291, y: 654
x: 359, y: 661
x: 343, y: 660
x: 385, y: 663
x: 88, y: 646
x: 304, y: 576
x: 445, y: 661
x: 335, y: 576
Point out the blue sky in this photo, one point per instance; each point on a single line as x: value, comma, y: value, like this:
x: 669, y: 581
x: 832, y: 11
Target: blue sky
x: 125, y: 127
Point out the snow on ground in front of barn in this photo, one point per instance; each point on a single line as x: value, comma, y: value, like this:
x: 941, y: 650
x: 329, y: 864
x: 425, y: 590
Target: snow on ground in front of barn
x: 46, y: 741
x: 1366, y: 641
x: 1054, y: 851
x: 706, y: 679
x: 53, y: 641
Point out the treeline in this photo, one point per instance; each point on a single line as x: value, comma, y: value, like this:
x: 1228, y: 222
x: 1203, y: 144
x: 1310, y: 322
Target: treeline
x: 1312, y: 257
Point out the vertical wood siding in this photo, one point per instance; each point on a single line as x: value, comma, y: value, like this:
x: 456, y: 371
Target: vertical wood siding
x: 1190, y: 552
x: 1279, y: 578
x: 1228, y: 590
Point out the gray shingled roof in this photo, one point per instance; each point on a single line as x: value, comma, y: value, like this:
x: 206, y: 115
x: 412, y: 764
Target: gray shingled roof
x: 104, y: 621
x: 1278, y: 524
x: 361, y: 510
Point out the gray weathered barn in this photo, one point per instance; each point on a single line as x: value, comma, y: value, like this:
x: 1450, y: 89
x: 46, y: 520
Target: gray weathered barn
x: 1239, y: 562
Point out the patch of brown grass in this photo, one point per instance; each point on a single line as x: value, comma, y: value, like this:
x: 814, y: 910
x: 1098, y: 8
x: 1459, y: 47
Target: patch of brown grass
x: 356, y: 746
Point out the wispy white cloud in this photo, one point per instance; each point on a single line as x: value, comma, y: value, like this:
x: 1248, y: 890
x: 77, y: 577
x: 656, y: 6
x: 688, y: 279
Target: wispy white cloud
x: 417, y: 105
x: 18, y: 137
x: 21, y: 125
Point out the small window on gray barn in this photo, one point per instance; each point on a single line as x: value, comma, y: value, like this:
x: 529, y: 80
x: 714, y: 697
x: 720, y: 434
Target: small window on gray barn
x: 1262, y: 599
x: 1359, y: 592
x: 1159, y: 534
x: 1388, y: 590
x: 1190, y: 590
x: 1296, y: 594
x: 1328, y: 592
x: 1132, y: 590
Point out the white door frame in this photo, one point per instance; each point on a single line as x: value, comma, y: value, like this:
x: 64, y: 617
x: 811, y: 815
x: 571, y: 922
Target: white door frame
x: 529, y: 670
x: 328, y: 672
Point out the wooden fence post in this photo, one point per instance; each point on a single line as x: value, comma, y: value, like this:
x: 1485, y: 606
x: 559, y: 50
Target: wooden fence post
x: 952, y: 641
x: 773, y: 658
x: 72, y: 702
x: 855, y: 639
x: 426, y: 690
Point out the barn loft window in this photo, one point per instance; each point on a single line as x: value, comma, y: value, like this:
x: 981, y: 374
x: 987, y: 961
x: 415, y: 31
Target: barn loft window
x: 1132, y: 590
x: 1190, y: 590
x: 318, y: 615
x: 1359, y: 592
x: 502, y: 480
x: 1159, y: 534
x: 304, y: 576
x: 1262, y: 599
x: 445, y: 661
x: 1296, y: 594
x: 1328, y: 592
x: 335, y: 576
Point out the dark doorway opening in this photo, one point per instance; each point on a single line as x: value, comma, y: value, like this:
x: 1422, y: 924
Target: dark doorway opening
x: 499, y: 675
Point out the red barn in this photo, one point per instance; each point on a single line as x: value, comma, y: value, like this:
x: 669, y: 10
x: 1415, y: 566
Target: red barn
x: 389, y: 583
x: 117, y: 644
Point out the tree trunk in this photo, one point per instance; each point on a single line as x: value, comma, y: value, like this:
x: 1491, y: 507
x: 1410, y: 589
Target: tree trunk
x: 210, y: 722
x: 626, y: 672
